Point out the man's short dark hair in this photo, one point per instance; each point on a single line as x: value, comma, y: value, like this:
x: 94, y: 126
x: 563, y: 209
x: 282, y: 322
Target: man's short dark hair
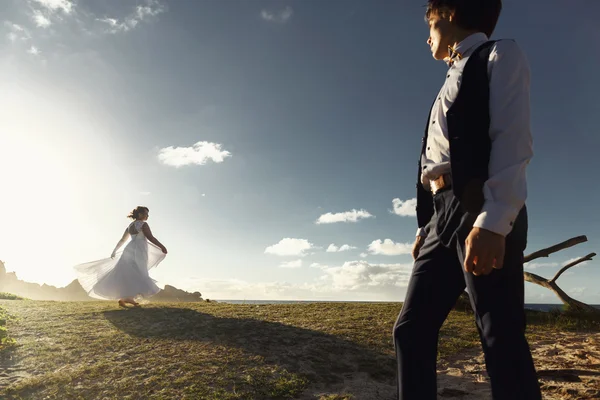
x: 478, y: 15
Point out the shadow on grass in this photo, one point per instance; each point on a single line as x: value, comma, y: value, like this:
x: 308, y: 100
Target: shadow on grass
x: 297, y: 349
x: 328, y: 361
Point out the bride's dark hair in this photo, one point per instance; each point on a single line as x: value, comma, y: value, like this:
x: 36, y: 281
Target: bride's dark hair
x: 136, y: 212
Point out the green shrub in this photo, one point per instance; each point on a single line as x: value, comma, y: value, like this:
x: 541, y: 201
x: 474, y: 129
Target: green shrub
x: 5, y: 340
x: 10, y: 296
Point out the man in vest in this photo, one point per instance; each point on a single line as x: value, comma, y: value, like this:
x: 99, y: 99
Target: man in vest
x: 471, y: 191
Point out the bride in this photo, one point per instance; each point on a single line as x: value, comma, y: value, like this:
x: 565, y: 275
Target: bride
x: 125, y: 274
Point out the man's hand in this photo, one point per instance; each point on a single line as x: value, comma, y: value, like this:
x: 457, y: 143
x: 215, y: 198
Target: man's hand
x: 484, y: 251
x: 417, y: 246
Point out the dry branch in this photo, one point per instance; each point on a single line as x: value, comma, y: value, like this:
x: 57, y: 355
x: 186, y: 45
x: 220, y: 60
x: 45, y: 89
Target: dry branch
x: 565, y: 298
x: 557, y: 247
x: 572, y: 264
x: 551, y: 284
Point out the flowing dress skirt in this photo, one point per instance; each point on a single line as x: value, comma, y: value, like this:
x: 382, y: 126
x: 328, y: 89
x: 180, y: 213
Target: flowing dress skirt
x: 124, y: 276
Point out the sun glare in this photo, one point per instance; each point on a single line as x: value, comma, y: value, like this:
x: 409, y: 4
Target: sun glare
x: 44, y: 185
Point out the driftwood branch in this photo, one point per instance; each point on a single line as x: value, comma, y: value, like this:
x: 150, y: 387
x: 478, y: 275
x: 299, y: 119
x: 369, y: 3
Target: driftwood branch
x: 572, y: 264
x: 557, y: 247
x: 565, y: 298
x: 551, y: 283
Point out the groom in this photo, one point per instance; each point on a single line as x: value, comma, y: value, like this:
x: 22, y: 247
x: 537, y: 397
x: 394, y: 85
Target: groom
x: 471, y: 213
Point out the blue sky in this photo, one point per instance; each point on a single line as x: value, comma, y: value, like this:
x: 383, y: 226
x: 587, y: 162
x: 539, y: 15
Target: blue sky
x: 311, y: 114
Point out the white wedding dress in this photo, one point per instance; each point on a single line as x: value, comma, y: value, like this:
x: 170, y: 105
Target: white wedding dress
x: 125, y: 275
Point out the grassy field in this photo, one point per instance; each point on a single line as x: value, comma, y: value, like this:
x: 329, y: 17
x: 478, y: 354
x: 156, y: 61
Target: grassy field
x: 92, y: 350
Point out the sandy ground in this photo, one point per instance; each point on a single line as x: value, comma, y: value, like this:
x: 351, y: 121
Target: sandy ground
x: 568, y: 367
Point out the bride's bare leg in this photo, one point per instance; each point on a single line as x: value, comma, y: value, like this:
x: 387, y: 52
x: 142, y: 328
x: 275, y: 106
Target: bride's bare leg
x: 130, y: 300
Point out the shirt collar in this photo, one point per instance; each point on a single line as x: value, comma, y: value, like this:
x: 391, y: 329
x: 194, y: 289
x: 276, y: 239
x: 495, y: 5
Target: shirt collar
x: 463, y: 48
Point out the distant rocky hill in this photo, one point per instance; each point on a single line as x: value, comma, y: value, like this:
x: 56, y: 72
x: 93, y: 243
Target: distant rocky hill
x: 74, y: 292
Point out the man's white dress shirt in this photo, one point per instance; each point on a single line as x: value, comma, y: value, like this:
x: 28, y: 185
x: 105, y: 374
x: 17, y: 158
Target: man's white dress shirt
x: 512, y: 145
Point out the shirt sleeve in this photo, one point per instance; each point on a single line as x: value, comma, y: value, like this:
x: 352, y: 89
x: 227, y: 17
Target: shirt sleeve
x: 505, y: 191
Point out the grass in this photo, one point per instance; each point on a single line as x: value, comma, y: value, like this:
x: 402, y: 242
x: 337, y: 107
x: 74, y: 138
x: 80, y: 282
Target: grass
x: 5, y: 340
x: 221, y: 351
x: 569, y: 321
x: 10, y: 296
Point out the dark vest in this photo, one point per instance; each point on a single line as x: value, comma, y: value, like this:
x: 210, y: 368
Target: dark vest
x: 468, y: 133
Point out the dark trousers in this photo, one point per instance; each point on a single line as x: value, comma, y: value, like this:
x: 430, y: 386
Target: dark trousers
x: 437, y: 280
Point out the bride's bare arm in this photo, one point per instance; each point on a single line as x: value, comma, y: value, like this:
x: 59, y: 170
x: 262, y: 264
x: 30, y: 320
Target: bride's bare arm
x: 120, y: 243
x: 151, y: 238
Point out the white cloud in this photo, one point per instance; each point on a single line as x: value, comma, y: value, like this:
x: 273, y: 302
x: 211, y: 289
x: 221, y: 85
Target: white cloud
x: 534, y: 265
x: 16, y: 31
x: 14, y: 27
x: 40, y: 19
x: 116, y: 26
x: 145, y: 193
x: 152, y: 9
x: 280, y: 17
x: 575, y: 259
x: 55, y: 5
x: 335, y: 249
x: 290, y: 247
x: 354, y: 280
x: 577, y: 291
x: 348, y: 216
x: 291, y: 264
x: 405, y: 208
x: 141, y: 13
x: 363, y: 255
x: 33, y: 51
x: 389, y: 248
x: 538, y: 297
x: 238, y: 289
x: 357, y: 275
x: 198, y: 154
